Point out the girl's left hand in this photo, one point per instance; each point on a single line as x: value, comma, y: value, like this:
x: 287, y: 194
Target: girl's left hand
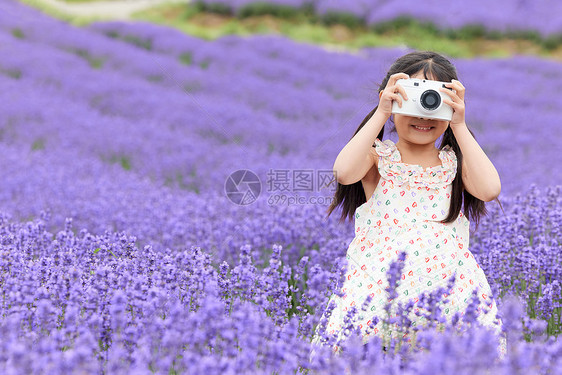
x: 457, y: 103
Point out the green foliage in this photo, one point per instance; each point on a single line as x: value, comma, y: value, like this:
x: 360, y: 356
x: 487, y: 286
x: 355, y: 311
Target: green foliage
x: 188, y: 12
x: 179, y: 182
x: 192, y: 186
x: 112, y: 34
x: 95, y: 62
x: 469, y: 32
x: 124, y: 161
x: 395, y: 25
x: 306, y: 15
x: 13, y: 73
x: 260, y: 8
x: 98, y: 250
x: 307, y: 9
x: 16, y: 32
x: 303, y: 24
x: 530, y: 35
x: 552, y: 42
x: 132, y: 39
x: 343, y: 18
x: 219, y: 8
x: 429, y: 27
x: 145, y: 44
x: 197, y: 6
x: 186, y: 58
x: 38, y: 144
x: 205, y: 64
x: 554, y: 322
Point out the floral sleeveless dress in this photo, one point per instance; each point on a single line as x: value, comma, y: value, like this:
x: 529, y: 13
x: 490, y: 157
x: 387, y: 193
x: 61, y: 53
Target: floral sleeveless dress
x: 403, y: 214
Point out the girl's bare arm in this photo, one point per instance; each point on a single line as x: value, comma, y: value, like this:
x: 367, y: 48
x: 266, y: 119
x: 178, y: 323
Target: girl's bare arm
x: 358, y: 156
x: 479, y: 176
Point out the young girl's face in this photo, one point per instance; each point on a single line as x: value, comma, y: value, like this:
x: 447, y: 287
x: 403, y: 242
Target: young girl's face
x: 406, y: 125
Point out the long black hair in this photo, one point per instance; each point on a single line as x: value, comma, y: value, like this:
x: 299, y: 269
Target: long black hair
x: 353, y: 195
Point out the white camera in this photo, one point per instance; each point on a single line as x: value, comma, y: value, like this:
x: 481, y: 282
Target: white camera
x: 424, y: 99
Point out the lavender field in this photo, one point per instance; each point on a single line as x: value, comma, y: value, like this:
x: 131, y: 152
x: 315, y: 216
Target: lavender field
x: 121, y: 252
x: 510, y: 16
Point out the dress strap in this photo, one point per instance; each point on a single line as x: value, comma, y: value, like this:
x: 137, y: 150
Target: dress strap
x: 387, y: 149
x: 448, y: 156
x: 391, y: 166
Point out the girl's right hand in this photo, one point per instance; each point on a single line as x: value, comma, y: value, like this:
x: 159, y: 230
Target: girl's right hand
x: 390, y: 93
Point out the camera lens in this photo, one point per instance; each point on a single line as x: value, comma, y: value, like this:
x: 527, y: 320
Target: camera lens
x: 430, y: 99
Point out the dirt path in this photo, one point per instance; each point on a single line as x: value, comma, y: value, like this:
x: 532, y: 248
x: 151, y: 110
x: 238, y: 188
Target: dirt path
x: 106, y: 9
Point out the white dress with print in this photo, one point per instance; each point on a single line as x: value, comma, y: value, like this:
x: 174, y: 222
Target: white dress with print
x: 403, y: 214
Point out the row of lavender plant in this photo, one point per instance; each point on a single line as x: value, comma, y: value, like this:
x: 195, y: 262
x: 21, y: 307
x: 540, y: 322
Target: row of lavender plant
x: 92, y: 129
x: 178, y: 128
x: 502, y: 16
x: 73, y: 301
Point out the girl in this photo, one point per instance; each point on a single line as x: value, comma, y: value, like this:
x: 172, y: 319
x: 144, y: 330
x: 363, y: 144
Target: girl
x: 408, y: 197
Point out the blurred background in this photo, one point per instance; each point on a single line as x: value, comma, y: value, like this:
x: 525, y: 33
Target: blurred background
x: 209, y: 129
x: 123, y: 114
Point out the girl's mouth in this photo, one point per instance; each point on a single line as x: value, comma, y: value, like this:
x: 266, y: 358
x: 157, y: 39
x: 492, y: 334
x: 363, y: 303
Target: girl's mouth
x: 422, y: 128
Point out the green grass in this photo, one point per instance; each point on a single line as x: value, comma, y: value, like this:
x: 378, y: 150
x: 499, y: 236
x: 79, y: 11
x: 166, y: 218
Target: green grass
x: 306, y: 27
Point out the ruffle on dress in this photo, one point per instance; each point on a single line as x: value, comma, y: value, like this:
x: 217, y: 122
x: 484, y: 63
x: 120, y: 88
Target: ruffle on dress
x: 391, y: 167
